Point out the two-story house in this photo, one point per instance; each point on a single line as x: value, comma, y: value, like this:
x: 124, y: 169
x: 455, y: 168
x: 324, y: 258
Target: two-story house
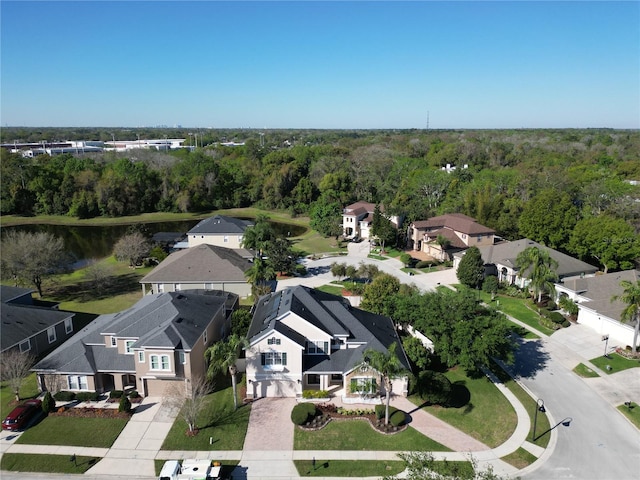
x: 445, y: 235
x: 357, y: 220
x: 219, y: 230
x: 301, y: 338
x: 29, y: 327
x: 155, y: 347
x: 203, y: 267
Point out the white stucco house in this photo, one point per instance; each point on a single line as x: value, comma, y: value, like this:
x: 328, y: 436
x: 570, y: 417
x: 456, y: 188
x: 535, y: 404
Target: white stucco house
x: 357, y: 220
x: 301, y: 338
x: 595, y: 308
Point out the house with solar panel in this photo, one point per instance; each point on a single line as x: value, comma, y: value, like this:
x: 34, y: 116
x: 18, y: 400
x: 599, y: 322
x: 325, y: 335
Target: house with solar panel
x: 305, y: 339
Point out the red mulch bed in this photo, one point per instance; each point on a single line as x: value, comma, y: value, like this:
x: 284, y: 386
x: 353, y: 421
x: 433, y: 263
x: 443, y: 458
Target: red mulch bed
x: 91, y: 413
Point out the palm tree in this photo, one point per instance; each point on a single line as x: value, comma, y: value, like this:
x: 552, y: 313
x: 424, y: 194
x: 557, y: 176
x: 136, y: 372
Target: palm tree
x: 539, y: 268
x: 388, y: 365
x: 260, y: 272
x: 444, y: 243
x: 222, y: 356
x: 631, y: 296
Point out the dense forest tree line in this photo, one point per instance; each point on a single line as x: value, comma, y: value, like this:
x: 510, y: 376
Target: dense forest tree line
x: 553, y: 186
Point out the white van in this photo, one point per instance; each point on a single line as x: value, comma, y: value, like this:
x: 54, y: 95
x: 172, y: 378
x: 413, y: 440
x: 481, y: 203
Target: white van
x: 170, y: 470
x: 190, y: 469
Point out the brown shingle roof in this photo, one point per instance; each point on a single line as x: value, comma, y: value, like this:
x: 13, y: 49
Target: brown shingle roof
x: 454, y: 221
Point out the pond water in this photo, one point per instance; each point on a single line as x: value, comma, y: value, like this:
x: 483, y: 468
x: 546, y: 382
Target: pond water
x: 87, y: 242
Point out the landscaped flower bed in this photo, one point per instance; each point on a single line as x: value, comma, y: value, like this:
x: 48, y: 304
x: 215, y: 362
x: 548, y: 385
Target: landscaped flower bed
x: 327, y: 412
x: 90, y: 412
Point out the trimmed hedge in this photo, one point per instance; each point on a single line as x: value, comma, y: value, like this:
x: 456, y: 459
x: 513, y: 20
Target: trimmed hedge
x: 315, y: 394
x: 380, y: 409
x: 556, y: 317
x: 65, y: 396
x: 116, y: 394
x: 87, y: 396
x: 302, y: 412
x: 398, y: 418
x: 125, y: 405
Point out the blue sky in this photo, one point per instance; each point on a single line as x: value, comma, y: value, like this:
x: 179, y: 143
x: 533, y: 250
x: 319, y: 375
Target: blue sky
x: 321, y: 64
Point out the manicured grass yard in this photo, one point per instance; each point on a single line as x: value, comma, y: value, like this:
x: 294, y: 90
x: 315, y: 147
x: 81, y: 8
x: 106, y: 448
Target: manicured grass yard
x: 332, y: 289
x: 28, y: 462
x: 520, y: 458
x: 517, y: 308
x: 348, y: 468
x: 218, y: 420
x: 632, y: 413
x: 360, y: 435
x: 8, y: 400
x: 615, y: 361
x: 479, y: 401
x: 81, y: 432
x: 582, y: 370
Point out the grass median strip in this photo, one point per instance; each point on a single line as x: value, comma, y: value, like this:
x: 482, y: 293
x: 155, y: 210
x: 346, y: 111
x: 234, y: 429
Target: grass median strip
x: 632, y: 412
x: 359, y: 435
x: 348, y: 468
x: 31, y: 462
x: 520, y: 458
x: 585, y: 372
x: 75, y: 431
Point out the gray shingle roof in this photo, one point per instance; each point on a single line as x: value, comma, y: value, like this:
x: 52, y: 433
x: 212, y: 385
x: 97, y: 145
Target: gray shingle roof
x: 20, y: 322
x: 202, y: 263
x: 7, y: 293
x: 332, y: 314
x: 507, y: 252
x: 220, y: 225
x: 172, y: 320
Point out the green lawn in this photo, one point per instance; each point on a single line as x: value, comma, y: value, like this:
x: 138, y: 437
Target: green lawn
x: 582, y: 370
x: 76, y: 431
x: 632, y: 413
x: 332, y: 289
x: 615, y: 361
x: 348, y: 468
x: 517, y: 308
x: 478, y: 400
x: 28, y: 462
x: 520, y: 458
x: 360, y: 435
x: 7, y: 399
x: 218, y: 421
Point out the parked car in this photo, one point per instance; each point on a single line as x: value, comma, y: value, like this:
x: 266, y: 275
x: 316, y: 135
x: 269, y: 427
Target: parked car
x: 20, y: 416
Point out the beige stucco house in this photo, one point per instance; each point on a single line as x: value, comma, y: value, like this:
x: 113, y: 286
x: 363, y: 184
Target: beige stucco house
x: 301, y: 338
x: 219, y: 230
x: 459, y: 231
x: 205, y: 267
x: 155, y: 347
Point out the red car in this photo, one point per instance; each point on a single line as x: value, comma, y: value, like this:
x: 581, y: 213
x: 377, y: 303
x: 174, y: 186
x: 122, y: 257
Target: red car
x: 22, y: 414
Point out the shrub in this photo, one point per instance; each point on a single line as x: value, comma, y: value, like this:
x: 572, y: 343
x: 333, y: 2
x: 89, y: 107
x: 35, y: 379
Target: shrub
x: 134, y: 394
x: 398, y: 418
x: 380, y: 409
x: 405, y: 258
x: 544, y: 312
x: 515, y: 292
x: 551, y: 305
x: 433, y: 387
x: 566, y: 323
x: 301, y: 413
x: 48, y: 403
x: 87, y: 396
x: 124, y: 405
x: 301, y: 270
x: 490, y: 284
x: 568, y: 305
x: 315, y: 394
x: 65, y: 396
x: 425, y: 264
x: 116, y: 394
x: 556, y: 317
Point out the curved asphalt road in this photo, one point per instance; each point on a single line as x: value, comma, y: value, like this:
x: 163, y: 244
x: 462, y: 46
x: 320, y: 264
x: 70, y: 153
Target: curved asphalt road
x: 599, y: 443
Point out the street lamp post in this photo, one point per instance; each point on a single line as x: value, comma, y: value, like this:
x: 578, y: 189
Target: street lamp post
x: 539, y: 408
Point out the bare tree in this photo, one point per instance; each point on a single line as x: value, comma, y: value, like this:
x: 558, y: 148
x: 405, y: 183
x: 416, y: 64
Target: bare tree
x: 98, y: 274
x: 14, y: 368
x: 54, y: 383
x: 132, y: 247
x: 192, y: 403
x: 31, y: 257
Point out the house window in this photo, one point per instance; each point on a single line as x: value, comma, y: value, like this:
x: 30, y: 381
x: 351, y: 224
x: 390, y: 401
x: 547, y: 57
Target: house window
x: 141, y: 356
x: 114, y: 342
x: 68, y: 325
x: 51, y: 334
x: 479, y: 238
x: 161, y: 288
x: 270, y: 359
x: 176, y: 287
x: 25, y: 346
x: 363, y: 385
x: 183, y: 357
x: 204, y: 337
x: 239, y: 239
x: 78, y: 382
x: 128, y: 346
x: 273, y: 341
x: 226, y: 239
x: 464, y: 235
x: 159, y: 362
x: 317, y: 347
x: 313, y: 379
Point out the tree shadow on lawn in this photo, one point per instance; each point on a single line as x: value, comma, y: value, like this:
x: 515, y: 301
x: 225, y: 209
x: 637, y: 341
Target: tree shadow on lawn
x: 226, y: 417
x: 460, y: 397
x: 87, y: 290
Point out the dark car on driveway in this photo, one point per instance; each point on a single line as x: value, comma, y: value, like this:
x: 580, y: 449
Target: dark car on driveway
x: 22, y: 415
